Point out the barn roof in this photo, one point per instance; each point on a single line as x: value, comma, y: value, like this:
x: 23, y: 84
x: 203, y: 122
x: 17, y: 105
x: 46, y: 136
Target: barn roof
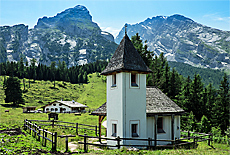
x: 156, y: 103
x: 71, y: 104
x: 126, y: 58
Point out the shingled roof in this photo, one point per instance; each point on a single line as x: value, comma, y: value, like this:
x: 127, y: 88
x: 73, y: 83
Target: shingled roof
x: 126, y: 58
x: 100, y: 111
x: 159, y: 103
x: 156, y: 103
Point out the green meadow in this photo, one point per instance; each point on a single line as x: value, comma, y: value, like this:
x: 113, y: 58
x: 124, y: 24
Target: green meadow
x: 92, y: 94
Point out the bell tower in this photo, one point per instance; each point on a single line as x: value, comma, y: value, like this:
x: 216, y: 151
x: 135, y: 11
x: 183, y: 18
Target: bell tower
x: 126, y: 93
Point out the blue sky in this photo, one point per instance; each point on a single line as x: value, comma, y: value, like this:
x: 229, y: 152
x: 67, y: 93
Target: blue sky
x: 111, y: 15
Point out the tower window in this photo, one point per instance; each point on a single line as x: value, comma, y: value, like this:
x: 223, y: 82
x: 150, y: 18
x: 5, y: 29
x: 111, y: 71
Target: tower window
x: 114, y: 130
x: 134, y: 80
x: 134, y: 130
x: 114, y: 80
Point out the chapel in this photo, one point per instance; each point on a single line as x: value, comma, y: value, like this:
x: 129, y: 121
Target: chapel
x: 134, y: 110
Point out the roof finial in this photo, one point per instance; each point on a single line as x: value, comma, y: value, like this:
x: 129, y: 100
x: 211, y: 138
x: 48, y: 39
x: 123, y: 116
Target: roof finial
x: 125, y: 29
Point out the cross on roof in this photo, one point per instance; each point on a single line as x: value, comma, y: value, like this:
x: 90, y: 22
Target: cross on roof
x: 125, y: 28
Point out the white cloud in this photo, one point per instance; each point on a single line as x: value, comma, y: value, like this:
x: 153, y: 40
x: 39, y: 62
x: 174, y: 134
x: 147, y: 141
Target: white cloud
x: 217, y: 17
x: 111, y: 30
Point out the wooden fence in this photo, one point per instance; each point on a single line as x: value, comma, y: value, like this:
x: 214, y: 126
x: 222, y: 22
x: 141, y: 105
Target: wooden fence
x: 191, y: 140
x: 38, y: 133
x: 76, y: 126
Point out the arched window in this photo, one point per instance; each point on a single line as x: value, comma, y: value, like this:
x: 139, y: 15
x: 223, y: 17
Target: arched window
x: 47, y: 109
x: 54, y: 104
x: 64, y: 109
x: 60, y: 104
x: 56, y: 109
x: 52, y: 109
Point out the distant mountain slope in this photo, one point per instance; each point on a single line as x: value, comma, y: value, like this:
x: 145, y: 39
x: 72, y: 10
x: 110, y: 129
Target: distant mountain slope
x: 184, y: 40
x: 71, y: 36
x: 208, y: 75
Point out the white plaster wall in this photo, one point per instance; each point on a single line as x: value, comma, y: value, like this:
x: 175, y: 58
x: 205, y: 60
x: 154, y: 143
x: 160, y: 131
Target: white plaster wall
x: 114, y: 106
x: 58, y: 107
x: 126, y: 104
x: 166, y: 128
x: 135, y: 107
x: 176, y: 129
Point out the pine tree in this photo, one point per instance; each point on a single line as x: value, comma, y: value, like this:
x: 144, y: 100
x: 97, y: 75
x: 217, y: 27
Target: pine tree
x: 22, y: 71
x: 211, y: 98
x: 33, y: 69
x: 185, y: 101
x: 13, y: 91
x: 196, y: 97
x: 223, y: 104
x: 53, y: 71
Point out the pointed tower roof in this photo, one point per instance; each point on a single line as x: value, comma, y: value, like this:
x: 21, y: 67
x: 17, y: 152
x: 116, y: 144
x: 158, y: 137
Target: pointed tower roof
x: 126, y: 58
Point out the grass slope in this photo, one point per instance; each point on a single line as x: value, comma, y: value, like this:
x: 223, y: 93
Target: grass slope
x: 42, y: 92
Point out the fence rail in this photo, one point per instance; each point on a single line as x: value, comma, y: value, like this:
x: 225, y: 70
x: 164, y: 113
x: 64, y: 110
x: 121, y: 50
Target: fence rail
x: 36, y: 130
x: 76, y: 126
x: 174, y: 143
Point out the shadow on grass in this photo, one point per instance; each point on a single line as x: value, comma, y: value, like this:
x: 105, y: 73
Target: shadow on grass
x: 53, y: 88
x: 11, y: 106
x: 60, y: 85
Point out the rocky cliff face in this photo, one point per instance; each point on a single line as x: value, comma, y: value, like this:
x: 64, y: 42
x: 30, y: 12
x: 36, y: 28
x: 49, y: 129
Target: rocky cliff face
x: 183, y: 40
x: 70, y: 36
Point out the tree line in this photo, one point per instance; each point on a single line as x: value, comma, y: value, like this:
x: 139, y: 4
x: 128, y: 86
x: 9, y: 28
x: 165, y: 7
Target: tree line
x: 54, y: 72
x: 205, y: 107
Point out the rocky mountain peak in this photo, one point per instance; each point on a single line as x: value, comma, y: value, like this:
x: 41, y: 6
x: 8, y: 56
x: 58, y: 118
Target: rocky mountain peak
x: 73, y: 21
x: 183, y: 40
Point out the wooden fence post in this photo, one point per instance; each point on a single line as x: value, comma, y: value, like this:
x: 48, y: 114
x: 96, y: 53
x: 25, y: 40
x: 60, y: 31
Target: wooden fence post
x: 118, y: 142
x: 39, y: 133
x: 77, y: 128
x: 85, y: 143
x: 96, y: 130
x: 55, y: 141
x: 43, y: 137
x: 149, y: 143
x: 209, y: 139
x: 30, y: 127
x: 53, y: 123
x: 46, y: 137
x: 194, y: 142
x: 25, y: 124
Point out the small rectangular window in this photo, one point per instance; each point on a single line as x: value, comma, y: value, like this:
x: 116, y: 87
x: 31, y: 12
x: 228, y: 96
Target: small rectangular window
x: 114, y: 130
x: 134, y: 130
x: 114, y: 80
x: 134, y: 80
x: 160, y: 125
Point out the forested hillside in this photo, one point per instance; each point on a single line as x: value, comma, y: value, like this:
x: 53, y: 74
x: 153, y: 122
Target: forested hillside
x: 208, y: 75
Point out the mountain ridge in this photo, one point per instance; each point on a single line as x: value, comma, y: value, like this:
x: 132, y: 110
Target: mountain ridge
x: 183, y: 40
x: 69, y: 36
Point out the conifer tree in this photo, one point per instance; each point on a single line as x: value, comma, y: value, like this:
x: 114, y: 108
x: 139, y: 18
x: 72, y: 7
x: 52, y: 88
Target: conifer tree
x: 13, y: 91
x: 196, y: 97
x: 33, y: 69
x: 53, y: 71
x: 223, y: 105
x: 22, y: 71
